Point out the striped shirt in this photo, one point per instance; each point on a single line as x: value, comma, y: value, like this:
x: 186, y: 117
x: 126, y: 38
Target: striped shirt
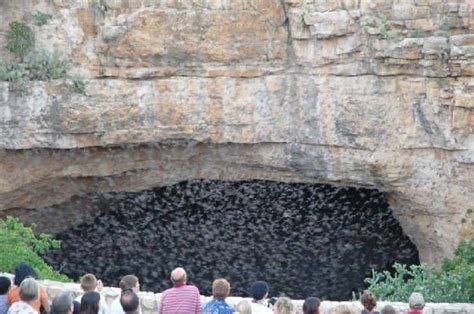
x: 180, y: 300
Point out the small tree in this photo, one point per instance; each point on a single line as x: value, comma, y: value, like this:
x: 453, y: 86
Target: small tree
x: 19, y: 244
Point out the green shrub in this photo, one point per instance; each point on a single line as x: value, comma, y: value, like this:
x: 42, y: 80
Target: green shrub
x: 16, y: 74
x: 44, y: 66
x: 29, y: 64
x: 78, y: 85
x: 20, y: 39
x: 41, y: 18
x: 19, y: 244
x: 454, y: 283
x: 12, y: 72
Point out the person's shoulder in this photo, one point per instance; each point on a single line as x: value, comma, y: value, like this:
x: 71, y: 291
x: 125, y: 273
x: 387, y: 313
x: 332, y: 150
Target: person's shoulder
x: 192, y: 288
x: 13, y: 295
x: 229, y: 307
x: 260, y: 309
x: 43, y: 294
x: 167, y: 291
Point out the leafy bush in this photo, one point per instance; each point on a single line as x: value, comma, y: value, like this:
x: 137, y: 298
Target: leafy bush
x: 18, y: 244
x: 20, y: 39
x: 41, y: 18
x: 44, y: 66
x: 454, y: 283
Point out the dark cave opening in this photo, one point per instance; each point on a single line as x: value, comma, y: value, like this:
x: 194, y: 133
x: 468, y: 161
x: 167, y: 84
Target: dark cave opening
x: 303, y: 239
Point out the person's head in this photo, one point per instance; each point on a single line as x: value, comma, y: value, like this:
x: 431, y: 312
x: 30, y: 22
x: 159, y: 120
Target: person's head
x: 416, y: 301
x: 244, y: 307
x: 388, y: 309
x: 311, y: 305
x: 29, y: 290
x: 129, y: 301
x: 129, y: 282
x: 88, y: 282
x: 178, y: 276
x: 284, y: 306
x: 342, y: 309
x: 23, y: 271
x: 5, y: 285
x: 90, y: 303
x: 220, y: 289
x: 368, y: 300
x: 63, y: 303
x: 259, y: 290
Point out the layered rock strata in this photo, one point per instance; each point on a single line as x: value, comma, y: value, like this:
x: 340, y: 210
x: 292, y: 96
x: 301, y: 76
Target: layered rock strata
x: 359, y: 93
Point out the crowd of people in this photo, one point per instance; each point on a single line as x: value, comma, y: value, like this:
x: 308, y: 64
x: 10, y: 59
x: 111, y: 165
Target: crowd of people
x: 25, y: 296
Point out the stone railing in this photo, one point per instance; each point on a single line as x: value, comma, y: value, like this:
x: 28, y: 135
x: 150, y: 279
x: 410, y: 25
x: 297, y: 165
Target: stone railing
x: 149, y: 301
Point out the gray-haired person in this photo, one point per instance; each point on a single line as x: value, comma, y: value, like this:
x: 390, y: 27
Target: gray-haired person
x: 29, y: 292
x: 63, y: 304
x: 388, y: 309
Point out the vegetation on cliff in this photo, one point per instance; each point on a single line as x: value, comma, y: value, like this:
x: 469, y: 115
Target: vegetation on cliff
x: 19, y: 244
x: 27, y: 63
x: 453, y: 283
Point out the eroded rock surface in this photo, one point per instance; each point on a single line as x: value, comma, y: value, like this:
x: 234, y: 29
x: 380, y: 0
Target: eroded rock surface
x: 360, y: 93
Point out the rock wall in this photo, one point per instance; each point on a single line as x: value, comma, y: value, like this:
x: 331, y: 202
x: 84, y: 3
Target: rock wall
x: 366, y: 93
x: 150, y: 301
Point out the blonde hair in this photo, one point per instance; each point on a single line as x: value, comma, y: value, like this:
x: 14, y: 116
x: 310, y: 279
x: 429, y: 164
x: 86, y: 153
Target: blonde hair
x: 220, y: 289
x: 342, y: 309
x: 244, y: 307
x: 284, y: 306
x: 88, y: 282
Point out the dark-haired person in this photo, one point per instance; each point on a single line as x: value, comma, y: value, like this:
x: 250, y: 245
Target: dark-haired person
x: 89, y: 283
x: 23, y: 271
x: 126, y: 283
x: 218, y: 305
x: 369, y: 302
x: 5, y: 284
x: 129, y: 302
x: 29, y: 293
x: 90, y: 303
x: 311, y: 305
x: 181, y: 298
x: 259, y: 292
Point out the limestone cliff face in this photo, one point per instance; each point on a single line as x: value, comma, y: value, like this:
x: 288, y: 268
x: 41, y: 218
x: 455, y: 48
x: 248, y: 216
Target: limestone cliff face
x: 372, y: 93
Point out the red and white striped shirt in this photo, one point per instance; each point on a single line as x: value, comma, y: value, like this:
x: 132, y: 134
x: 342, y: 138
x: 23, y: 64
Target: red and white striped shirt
x: 182, y: 299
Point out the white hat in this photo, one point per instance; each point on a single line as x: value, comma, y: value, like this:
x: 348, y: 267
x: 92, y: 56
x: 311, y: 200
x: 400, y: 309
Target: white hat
x: 416, y: 301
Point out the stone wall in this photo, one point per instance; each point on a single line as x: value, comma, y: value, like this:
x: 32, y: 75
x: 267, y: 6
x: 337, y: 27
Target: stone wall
x: 366, y: 93
x: 149, y: 301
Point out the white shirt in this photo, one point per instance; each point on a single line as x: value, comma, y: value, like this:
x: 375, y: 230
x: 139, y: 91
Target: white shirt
x: 260, y: 309
x: 103, y: 307
x: 21, y: 307
x: 116, y: 307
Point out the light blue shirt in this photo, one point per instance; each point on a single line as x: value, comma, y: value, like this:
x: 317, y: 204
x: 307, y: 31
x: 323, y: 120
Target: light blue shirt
x: 3, y: 304
x: 217, y: 307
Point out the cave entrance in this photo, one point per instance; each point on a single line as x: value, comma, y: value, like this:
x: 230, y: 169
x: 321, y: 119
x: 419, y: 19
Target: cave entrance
x: 303, y: 239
